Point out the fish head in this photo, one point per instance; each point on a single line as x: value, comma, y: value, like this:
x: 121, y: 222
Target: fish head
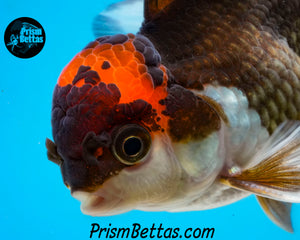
x: 109, y: 129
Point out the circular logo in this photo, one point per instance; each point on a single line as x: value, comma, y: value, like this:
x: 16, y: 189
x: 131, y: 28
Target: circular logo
x: 24, y: 37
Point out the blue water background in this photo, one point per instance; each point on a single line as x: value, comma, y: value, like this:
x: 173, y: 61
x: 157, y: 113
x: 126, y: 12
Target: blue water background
x: 34, y: 203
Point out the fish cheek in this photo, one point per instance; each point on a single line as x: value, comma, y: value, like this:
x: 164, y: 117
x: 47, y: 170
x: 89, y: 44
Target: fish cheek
x: 88, y: 176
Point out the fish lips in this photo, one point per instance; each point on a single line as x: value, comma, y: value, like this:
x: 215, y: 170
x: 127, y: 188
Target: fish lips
x: 101, y: 202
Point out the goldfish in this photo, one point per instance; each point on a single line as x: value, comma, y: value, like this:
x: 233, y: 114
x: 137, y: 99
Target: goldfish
x: 198, y: 110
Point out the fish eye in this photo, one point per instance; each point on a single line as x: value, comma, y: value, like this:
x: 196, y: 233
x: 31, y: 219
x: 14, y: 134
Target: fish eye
x: 131, y: 144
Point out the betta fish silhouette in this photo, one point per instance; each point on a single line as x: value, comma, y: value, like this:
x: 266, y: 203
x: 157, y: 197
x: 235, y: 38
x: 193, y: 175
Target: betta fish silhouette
x: 198, y: 110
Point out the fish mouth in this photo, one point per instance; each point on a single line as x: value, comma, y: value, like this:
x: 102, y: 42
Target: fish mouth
x: 87, y: 198
x: 97, y: 203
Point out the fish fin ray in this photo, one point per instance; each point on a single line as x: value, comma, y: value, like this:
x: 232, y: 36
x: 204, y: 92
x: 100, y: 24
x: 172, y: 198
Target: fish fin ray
x: 115, y: 18
x: 279, y: 212
x: 104, y: 25
x: 277, y: 173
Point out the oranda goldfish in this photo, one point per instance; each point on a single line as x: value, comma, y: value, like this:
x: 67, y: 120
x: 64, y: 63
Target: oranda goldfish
x: 198, y: 110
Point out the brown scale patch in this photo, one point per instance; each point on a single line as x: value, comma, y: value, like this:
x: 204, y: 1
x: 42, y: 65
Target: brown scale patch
x: 191, y: 118
x: 235, y: 44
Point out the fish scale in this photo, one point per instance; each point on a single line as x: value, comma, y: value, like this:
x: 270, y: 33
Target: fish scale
x: 235, y: 43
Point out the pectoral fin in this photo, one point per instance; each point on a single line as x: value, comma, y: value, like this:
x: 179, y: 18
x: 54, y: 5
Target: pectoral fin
x: 276, y: 173
x: 278, y: 212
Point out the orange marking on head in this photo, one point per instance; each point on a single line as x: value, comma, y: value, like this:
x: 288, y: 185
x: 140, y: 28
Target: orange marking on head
x: 118, y: 48
x: 147, y: 81
x: 140, y: 57
x: 127, y: 70
x: 129, y: 46
x: 85, y: 53
x: 131, y: 36
x: 69, y: 72
x: 101, y: 47
x: 99, y: 152
x: 110, y: 56
x: 164, y: 69
x: 90, y: 60
x: 104, y: 73
x: 142, y: 68
x: 123, y: 57
x: 133, y: 67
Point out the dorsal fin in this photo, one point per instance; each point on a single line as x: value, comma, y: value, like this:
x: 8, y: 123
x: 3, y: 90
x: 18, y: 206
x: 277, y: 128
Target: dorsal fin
x: 153, y: 7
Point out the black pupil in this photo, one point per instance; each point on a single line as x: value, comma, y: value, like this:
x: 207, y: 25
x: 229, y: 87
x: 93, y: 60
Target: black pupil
x: 132, y: 146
